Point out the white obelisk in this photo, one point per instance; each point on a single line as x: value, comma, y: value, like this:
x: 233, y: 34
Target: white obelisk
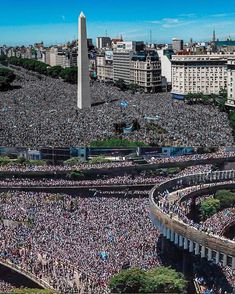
x: 84, y: 98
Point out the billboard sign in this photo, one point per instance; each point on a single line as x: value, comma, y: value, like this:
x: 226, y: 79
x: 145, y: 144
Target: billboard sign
x: 109, y: 55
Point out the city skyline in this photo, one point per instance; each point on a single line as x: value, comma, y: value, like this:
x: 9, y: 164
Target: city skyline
x: 27, y: 23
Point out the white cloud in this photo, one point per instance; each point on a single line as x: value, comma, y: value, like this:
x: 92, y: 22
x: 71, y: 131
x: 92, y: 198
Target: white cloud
x: 222, y: 15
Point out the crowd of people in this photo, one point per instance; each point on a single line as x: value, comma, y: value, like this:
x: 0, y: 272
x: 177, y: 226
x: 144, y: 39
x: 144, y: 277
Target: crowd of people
x: 41, y: 111
x: 5, y: 287
x: 221, y: 153
x: 119, y: 180
x: 76, y: 244
x: 173, y: 205
x: 139, y: 179
x: 219, y: 221
x: 170, y: 203
x: 81, y: 166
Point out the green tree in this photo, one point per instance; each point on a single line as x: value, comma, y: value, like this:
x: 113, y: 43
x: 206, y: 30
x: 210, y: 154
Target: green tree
x: 121, y: 85
x: 226, y: 198
x: 209, y: 207
x: 54, y: 71
x: 128, y: 281
x: 158, y: 280
x: 99, y: 159
x: 7, y: 76
x: 117, y: 143
x: 133, y: 88
x: 69, y: 74
x: 72, y: 161
x: 22, y: 160
x: 4, y: 160
x: 165, y: 280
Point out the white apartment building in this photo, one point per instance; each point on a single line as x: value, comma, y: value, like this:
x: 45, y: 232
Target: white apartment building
x: 231, y: 83
x: 205, y: 74
x: 165, y: 58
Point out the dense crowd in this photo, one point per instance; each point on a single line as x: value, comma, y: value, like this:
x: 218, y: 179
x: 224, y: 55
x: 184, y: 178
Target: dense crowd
x: 219, y: 221
x: 127, y: 179
x: 81, y: 166
x: 119, y: 180
x: 5, y: 287
x: 77, y: 244
x: 42, y: 112
x: 171, y: 204
x: 221, y: 153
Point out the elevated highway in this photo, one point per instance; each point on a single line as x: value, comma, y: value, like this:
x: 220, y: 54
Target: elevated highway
x: 213, y: 247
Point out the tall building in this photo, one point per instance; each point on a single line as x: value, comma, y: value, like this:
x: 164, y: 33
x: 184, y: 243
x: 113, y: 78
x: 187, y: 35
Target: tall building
x: 177, y: 44
x: 131, y: 46
x: 231, y: 83
x: 57, y: 56
x: 84, y: 98
x: 205, y: 74
x: 122, y: 57
x: 214, y: 37
x: 121, y: 65
x: 103, y: 42
x: 145, y: 70
x: 165, y: 56
x: 105, y: 66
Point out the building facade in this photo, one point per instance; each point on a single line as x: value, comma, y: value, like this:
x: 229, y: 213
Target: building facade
x: 121, y: 65
x: 231, y: 83
x: 103, y: 42
x: 104, y: 67
x: 145, y: 71
x: 165, y: 56
x: 177, y: 44
x: 205, y: 74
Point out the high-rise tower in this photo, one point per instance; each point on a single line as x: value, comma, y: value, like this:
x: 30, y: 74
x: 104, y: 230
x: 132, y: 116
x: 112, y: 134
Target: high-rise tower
x: 84, y: 98
x: 214, y: 37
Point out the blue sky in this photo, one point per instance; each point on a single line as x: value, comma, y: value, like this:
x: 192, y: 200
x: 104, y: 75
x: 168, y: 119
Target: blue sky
x: 55, y: 21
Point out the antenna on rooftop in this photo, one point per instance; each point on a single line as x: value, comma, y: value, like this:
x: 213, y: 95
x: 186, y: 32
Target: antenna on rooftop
x: 150, y: 36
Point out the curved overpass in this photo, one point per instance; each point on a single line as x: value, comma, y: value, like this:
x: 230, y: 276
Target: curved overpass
x: 212, y: 247
x: 19, y: 269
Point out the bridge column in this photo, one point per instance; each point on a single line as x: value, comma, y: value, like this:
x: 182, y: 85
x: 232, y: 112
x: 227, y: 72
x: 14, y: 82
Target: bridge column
x: 168, y: 234
x: 225, y: 260
x: 176, y: 239
x: 164, y: 231
x: 209, y: 255
x: 233, y: 263
x: 163, y: 245
x: 180, y: 241
x: 203, y: 252
x: 217, y: 257
x: 196, y: 249
x: 185, y: 243
x: 190, y: 246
